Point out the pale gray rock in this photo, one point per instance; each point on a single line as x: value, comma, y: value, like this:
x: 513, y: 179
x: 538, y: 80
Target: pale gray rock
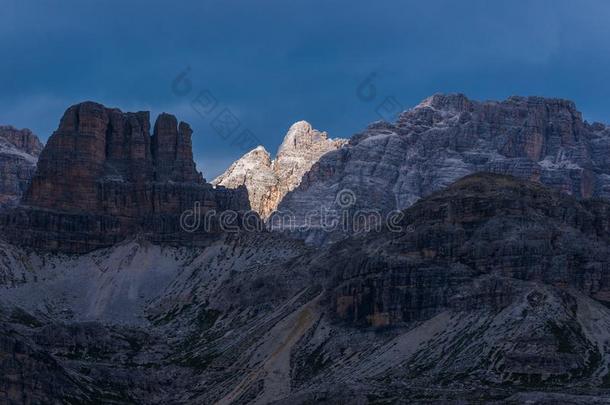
x: 255, y: 171
x: 268, y: 180
x: 389, y: 166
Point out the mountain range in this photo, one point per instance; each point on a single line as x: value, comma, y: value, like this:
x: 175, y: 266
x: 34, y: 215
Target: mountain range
x: 268, y: 181
x: 490, y: 284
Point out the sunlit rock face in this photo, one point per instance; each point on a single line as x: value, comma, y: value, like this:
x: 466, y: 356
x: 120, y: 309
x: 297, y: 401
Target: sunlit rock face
x: 267, y: 180
x: 19, y: 151
x: 389, y: 166
x: 104, y: 156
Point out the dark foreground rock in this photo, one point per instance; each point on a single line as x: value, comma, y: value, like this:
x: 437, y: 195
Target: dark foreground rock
x: 494, y: 291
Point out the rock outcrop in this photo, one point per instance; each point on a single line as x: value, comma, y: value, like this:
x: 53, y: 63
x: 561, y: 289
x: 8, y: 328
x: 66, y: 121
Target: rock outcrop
x: 19, y: 151
x: 255, y: 171
x: 486, y: 226
x: 267, y: 180
x: 494, y: 290
x: 102, y: 177
x: 391, y: 165
x: 501, y: 275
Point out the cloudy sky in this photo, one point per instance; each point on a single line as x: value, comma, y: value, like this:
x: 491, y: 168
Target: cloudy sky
x: 266, y: 64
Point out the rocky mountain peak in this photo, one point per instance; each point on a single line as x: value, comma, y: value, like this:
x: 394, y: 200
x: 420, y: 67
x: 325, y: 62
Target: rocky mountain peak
x: 301, y: 135
x: 302, y: 141
x: 22, y: 139
x: 103, y: 177
x: 447, y: 102
x: 94, y: 142
x: 257, y: 159
x: 301, y: 126
x: 392, y: 165
x: 459, y: 103
x: 259, y: 153
x: 268, y: 181
x: 19, y: 151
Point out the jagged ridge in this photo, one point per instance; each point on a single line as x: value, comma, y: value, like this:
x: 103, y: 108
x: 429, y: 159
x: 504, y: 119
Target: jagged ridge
x: 268, y: 181
x: 493, y: 291
x: 392, y: 165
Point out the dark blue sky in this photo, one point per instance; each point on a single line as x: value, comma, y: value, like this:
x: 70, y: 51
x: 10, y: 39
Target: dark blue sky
x: 271, y: 63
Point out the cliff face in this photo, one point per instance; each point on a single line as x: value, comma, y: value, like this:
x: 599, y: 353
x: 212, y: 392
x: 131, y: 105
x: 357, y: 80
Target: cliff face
x: 19, y: 151
x: 391, y: 165
x: 489, y: 227
x: 102, y: 176
x: 268, y: 181
x: 500, y: 276
x: 493, y: 290
x: 101, y: 160
x: 255, y: 171
x: 22, y: 139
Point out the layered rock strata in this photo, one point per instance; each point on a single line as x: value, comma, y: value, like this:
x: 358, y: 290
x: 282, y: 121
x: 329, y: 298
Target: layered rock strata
x: 102, y: 177
x: 490, y: 227
x: 391, y: 165
x: 494, y: 290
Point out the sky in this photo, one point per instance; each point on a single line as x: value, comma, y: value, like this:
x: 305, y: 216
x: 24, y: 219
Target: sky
x: 241, y: 72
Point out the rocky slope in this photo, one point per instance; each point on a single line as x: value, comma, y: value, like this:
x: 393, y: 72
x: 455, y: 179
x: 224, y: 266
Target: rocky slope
x: 492, y: 291
x: 19, y: 151
x: 268, y: 181
x: 391, y: 165
x: 103, y: 177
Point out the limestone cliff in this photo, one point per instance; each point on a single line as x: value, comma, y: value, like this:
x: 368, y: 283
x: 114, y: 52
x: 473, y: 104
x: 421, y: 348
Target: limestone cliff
x: 390, y: 166
x: 268, y: 181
